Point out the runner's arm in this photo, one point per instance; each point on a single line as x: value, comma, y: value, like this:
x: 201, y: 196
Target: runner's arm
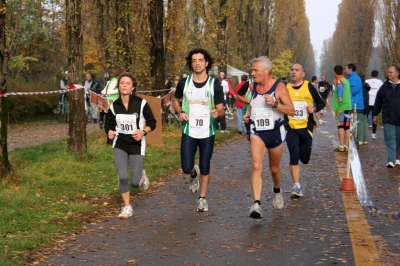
x: 285, y: 103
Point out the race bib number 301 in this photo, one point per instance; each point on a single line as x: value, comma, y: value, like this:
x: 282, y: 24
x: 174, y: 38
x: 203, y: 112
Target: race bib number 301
x: 300, y: 110
x: 263, y: 118
x: 126, y: 124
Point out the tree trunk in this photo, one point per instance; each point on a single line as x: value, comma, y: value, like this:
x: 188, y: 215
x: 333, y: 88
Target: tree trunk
x: 76, y: 98
x: 156, y: 21
x: 5, y: 166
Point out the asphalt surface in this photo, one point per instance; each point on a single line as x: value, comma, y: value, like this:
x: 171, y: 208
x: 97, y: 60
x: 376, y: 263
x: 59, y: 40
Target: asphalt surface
x: 313, y: 230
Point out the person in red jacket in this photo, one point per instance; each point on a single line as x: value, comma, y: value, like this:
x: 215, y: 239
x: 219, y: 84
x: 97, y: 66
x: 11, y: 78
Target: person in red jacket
x: 241, y: 90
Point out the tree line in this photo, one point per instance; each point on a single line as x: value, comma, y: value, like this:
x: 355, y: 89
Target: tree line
x: 40, y: 39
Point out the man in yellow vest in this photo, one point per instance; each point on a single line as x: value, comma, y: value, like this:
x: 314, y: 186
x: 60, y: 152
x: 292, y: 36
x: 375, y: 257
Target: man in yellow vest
x: 306, y: 101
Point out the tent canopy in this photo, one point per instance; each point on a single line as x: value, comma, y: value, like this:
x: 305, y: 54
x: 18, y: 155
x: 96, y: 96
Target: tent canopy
x: 231, y: 71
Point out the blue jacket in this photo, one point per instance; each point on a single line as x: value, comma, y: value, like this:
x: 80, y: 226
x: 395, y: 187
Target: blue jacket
x: 356, y: 90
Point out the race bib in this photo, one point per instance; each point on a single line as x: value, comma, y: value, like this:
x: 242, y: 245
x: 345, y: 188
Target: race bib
x: 199, y: 119
x: 322, y: 89
x: 263, y: 118
x: 126, y: 124
x: 300, y: 109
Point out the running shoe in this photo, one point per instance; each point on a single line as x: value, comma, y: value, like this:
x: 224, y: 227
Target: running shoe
x: 373, y: 136
x: 144, y: 182
x: 397, y: 162
x: 278, y: 200
x: 321, y: 122
x: 339, y: 149
x: 370, y: 126
x: 296, y: 191
x: 346, y: 148
x: 255, y: 211
x: 126, y: 212
x: 390, y: 165
x: 194, y: 183
x: 203, y: 205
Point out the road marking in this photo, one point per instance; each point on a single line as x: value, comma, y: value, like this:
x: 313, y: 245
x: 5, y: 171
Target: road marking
x: 362, y: 243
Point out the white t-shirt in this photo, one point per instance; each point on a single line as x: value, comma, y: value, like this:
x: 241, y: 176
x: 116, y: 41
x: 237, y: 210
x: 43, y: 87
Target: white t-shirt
x: 225, y: 86
x: 375, y: 85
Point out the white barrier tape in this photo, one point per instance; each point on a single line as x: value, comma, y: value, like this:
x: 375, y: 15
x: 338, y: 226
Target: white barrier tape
x: 62, y: 91
x: 36, y: 92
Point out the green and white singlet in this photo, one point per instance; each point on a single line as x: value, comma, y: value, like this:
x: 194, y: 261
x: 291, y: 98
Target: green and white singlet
x: 197, y: 104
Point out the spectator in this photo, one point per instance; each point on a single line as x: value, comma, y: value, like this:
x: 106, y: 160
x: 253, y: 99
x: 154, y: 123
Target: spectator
x: 341, y: 104
x: 362, y: 127
x: 103, y: 84
x: 63, y: 86
x: 356, y: 90
x: 241, y: 90
x: 91, y: 85
x: 375, y: 84
x: 388, y: 101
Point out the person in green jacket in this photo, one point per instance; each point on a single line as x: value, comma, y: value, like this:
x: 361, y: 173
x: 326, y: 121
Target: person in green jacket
x: 341, y: 104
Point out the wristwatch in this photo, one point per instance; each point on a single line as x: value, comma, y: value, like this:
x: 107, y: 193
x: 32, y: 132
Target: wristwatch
x: 275, y: 104
x: 145, y: 133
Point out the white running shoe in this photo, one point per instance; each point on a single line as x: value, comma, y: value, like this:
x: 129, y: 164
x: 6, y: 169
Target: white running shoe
x: 126, y: 212
x: 373, y: 136
x: 144, y: 182
x: 203, y: 205
x: 194, y: 183
x: 397, y: 162
x: 390, y: 165
x: 278, y: 201
x: 255, y: 211
x: 321, y: 122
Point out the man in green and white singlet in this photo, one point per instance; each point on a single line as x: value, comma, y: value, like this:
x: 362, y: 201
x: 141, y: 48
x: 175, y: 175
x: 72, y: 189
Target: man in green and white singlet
x: 202, y: 102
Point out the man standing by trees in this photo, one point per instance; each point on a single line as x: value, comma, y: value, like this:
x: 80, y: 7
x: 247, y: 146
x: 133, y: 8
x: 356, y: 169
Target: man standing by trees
x: 341, y: 104
x: 375, y: 84
x: 357, y: 97
x: 202, y: 103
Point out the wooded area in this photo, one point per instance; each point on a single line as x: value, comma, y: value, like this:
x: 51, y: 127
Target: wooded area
x: 152, y: 37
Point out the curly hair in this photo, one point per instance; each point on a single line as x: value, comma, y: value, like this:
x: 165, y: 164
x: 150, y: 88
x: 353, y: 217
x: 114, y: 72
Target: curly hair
x: 207, y: 58
x: 132, y: 77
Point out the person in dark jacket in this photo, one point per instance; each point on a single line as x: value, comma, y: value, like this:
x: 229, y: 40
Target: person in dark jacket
x: 362, y: 127
x: 128, y: 121
x: 388, y: 101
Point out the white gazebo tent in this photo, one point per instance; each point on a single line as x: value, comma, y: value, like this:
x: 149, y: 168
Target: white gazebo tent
x: 234, y: 72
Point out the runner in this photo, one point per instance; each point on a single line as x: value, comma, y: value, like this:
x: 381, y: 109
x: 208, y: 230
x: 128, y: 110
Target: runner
x: 202, y: 103
x: 270, y: 101
x: 300, y: 126
x: 128, y: 121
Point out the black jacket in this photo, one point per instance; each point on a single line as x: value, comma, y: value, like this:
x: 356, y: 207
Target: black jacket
x: 366, y: 89
x: 145, y: 117
x: 388, y: 101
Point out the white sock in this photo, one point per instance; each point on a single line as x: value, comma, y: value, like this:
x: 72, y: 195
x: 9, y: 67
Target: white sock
x: 297, y: 184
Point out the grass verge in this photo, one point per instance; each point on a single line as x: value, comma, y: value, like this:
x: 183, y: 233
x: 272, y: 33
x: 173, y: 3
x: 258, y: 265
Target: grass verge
x: 52, y: 191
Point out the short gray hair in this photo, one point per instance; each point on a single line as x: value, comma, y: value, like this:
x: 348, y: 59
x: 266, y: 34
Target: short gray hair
x: 265, y: 62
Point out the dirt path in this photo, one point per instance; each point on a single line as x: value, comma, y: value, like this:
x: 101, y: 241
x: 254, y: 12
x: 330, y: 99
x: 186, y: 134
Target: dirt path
x: 28, y: 136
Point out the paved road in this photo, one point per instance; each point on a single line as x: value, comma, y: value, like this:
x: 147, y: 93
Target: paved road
x: 325, y: 227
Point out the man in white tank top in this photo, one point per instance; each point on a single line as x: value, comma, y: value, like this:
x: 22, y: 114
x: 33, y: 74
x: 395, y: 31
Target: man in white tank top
x: 269, y: 103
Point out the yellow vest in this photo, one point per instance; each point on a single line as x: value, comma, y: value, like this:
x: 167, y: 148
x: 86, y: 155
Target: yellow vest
x: 301, y: 98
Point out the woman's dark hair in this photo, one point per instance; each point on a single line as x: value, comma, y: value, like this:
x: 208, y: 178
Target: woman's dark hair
x: 119, y: 71
x: 132, y: 77
x: 313, y: 78
x: 207, y: 58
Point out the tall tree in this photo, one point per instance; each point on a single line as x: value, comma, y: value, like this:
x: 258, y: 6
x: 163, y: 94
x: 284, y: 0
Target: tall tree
x: 76, y: 99
x: 5, y: 165
x: 389, y: 28
x: 156, y: 22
